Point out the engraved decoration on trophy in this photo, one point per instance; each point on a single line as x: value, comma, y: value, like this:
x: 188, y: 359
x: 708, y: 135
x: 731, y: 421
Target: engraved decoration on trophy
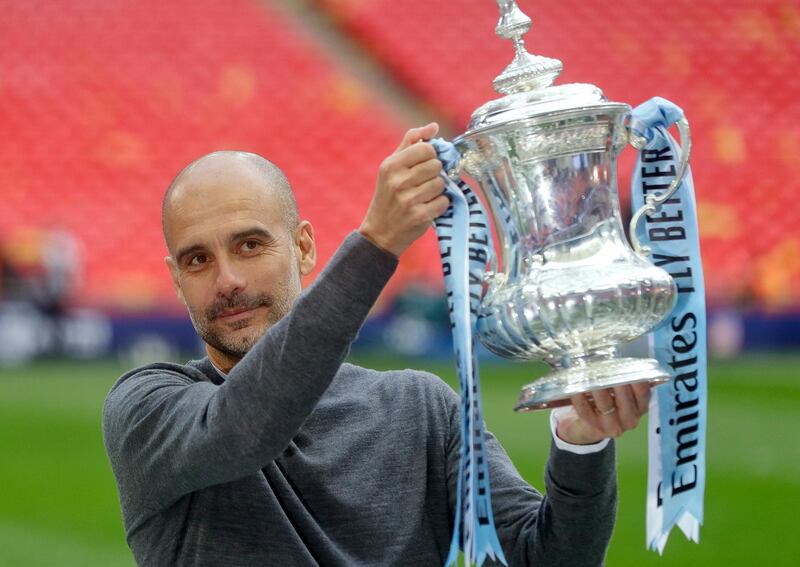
x: 566, y: 288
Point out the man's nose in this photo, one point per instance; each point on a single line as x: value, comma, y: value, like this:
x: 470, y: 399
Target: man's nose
x: 229, y: 279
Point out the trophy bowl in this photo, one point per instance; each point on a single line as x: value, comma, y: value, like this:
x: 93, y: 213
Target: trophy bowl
x: 566, y: 287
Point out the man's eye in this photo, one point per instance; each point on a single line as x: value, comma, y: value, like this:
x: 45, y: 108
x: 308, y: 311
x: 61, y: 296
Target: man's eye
x: 250, y: 245
x: 198, y: 260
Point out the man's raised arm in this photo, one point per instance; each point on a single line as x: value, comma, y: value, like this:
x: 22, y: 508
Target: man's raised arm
x: 169, y: 433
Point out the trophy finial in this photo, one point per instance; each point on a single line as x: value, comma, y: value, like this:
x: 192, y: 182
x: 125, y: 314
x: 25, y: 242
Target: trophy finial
x: 526, y: 72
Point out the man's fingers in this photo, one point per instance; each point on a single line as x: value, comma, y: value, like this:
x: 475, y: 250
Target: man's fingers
x: 627, y: 407
x: 423, y: 172
x: 414, y: 155
x: 585, y: 410
x: 603, y: 402
x: 416, y: 134
x: 432, y: 189
x: 641, y: 392
x: 428, y: 190
x: 435, y: 207
x: 607, y: 412
x: 610, y: 412
x: 406, y: 198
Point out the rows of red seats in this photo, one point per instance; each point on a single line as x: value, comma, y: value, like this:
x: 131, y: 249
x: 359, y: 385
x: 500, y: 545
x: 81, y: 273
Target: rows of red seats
x: 102, y: 103
x: 730, y: 65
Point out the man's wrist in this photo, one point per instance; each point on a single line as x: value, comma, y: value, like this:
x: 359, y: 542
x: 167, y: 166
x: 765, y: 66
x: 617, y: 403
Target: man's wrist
x: 375, y: 240
x: 579, y: 449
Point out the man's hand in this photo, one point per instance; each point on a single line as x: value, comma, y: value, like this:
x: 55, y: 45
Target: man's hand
x: 408, y: 193
x: 610, y: 414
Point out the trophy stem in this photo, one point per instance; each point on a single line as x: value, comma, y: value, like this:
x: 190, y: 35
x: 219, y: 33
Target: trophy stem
x: 584, y: 359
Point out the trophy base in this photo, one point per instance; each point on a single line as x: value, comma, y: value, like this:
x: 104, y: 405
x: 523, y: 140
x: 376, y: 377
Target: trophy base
x: 555, y: 389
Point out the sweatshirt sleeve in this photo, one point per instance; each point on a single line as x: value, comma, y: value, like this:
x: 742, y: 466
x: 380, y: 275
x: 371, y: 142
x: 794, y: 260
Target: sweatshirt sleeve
x: 570, y: 525
x: 168, y: 435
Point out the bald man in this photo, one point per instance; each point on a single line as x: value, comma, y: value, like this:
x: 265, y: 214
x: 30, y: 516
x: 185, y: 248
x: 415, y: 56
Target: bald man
x: 274, y: 451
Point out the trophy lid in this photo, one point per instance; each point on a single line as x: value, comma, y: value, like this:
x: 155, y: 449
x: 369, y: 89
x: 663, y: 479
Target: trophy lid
x: 527, y: 82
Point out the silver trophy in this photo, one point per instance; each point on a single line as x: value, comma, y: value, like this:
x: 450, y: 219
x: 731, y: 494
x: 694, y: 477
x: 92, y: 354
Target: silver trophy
x: 566, y: 287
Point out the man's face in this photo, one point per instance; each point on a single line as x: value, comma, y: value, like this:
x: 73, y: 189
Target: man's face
x: 234, y: 261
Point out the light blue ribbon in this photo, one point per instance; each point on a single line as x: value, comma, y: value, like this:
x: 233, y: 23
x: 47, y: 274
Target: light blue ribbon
x: 465, y: 247
x: 678, y: 420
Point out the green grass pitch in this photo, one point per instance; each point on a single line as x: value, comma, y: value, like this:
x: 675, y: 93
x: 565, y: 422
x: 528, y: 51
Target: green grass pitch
x: 58, y: 503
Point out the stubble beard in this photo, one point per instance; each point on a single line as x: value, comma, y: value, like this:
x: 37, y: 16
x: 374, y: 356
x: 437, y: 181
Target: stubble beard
x: 224, y: 337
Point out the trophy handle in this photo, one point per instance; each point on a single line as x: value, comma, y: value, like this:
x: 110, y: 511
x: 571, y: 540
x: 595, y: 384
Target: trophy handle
x: 653, y: 201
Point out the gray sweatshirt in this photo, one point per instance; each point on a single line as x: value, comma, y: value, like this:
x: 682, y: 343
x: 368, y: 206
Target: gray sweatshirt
x: 297, y: 458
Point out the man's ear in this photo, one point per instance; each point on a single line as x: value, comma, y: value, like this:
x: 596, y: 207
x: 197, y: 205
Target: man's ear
x: 173, y: 272
x: 306, y: 248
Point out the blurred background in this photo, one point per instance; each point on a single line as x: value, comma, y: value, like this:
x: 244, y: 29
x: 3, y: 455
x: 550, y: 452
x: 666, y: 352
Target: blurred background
x: 102, y: 102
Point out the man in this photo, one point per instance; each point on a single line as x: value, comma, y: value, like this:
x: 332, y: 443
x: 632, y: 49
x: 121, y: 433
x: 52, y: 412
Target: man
x: 272, y: 450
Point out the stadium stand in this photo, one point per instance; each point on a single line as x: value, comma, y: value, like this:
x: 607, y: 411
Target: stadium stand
x: 102, y: 103
x: 730, y: 65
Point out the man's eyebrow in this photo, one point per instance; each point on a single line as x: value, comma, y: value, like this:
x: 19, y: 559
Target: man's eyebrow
x: 253, y: 232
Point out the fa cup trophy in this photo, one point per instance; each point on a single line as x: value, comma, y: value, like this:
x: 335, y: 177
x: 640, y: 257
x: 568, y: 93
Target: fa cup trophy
x: 566, y: 288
